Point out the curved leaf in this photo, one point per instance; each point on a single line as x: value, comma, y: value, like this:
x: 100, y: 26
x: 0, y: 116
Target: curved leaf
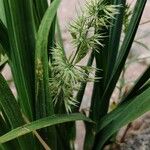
x: 11, y: 109
x: 43, y: 101
x: 42, y: 123
x: 127, y: 112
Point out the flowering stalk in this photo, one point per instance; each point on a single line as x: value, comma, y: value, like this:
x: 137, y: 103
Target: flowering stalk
x: 66, y: 75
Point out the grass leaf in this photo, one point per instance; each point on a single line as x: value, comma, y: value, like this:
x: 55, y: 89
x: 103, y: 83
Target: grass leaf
x: 11, y: 109
x: 41, y: 123
x: 21, y: 33
x: 44, y: 104
x: 137, y: 107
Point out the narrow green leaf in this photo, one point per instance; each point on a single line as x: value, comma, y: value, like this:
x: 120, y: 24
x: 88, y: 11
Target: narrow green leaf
x: 3, y: 62
x: 108, y: 118
x: 4, y: 128
x: 44, y: 104
x: 9, y: 104
x: 40, y: 8
x: 21, y: 33
x: 123, y: 53
x: 137, y: 107
x: 125, y: 48
x: 42, y: 123
x: 41, y: 57
x: 52, y: 41
x: 114, y: 38
x: 2, y: 12
x: 4, y: 40
x: 10, y: 107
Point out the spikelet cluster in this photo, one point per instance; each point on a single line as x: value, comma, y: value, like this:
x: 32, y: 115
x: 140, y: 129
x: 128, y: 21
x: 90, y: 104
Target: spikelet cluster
x: 96, y: 15
x: 66, y: 79
x: 66, y: 75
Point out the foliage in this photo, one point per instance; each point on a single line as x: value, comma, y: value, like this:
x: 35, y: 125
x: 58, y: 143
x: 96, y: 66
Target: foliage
x: 50, y: 85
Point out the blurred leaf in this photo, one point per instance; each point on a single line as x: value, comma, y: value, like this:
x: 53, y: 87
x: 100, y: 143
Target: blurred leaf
x: 2, y: 12
x: 40, y: 8
x: 3, y: 62
x: 4, y: 40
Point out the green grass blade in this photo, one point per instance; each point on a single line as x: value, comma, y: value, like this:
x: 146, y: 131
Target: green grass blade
x: 107, y: 119
x: 138, y: 89
x: 11, y: 109
x: 40, y: 8
x: 3, y: 63
x: 2, y: 12
x: 101, y: 57
x: 42, y: 123
x: 9, y: 104
x: 44, y: 104
x: 97, y: 93
x: 123, y: 53
x: 137, y: 107
x: 21, y: 33
x: 4, y: 128
x: 4, y: 40
x: 114, y: 38
x: 125, y: 48
x: 41, y: 56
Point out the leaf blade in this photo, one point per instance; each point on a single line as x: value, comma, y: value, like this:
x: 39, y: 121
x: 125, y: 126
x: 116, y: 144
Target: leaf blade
x: 142, y: 105
x: 41, y: 123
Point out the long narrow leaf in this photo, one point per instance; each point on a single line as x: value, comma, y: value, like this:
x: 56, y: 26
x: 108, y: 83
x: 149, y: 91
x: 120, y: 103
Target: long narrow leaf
x: 41, y: 56
x: 40, y: 7
x: 137, y: 107
x: 44, y: 105
x: 42, y: 123
x: 114, y: 40
x: 21, y: 33
x: 2, y: 12
x: 107, y: 119
x: 126, y: 45
x: 10, y: 107
x: 4, y: 40
x: 3, y: 62
x: 121, y: 59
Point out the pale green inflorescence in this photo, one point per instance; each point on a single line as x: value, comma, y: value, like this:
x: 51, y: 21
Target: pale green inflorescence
x: 65, y: 79
x: 66, y: 75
